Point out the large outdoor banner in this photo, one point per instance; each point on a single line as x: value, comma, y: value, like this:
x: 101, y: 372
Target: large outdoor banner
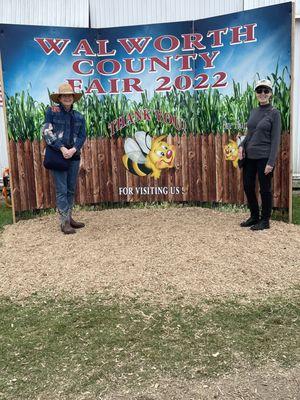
x: 165, y: 105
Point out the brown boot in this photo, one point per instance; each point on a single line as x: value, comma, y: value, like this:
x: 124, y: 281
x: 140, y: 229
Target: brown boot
x: 67, y: 229
x: 76, y: 225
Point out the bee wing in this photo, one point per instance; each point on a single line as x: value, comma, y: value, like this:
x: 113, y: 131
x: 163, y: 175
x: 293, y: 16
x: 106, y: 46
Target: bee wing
x: 240, y: 139
x: 144, y: 140
x: 134, y: 152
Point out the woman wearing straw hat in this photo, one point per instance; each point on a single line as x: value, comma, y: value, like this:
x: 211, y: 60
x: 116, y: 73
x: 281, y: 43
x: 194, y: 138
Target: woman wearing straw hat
x: 64, y: 133
x: 259, y: 151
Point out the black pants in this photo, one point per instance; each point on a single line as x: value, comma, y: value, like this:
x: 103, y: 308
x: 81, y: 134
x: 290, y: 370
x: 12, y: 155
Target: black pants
x: 250, y: 170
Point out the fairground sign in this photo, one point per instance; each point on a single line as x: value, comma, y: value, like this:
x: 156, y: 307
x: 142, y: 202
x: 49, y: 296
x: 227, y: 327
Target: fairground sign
x: 164, y: 105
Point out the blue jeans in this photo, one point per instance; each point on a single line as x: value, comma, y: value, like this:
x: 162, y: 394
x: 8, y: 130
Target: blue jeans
x: 65, y: 184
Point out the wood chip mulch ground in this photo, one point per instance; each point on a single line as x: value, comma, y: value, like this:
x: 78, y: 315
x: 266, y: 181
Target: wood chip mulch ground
x: 155, y: 253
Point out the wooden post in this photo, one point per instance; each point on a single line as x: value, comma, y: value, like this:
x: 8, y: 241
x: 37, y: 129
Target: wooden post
x: 7, y: 144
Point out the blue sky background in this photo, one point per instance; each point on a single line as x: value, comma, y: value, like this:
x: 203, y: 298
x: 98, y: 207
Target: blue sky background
x: 25, y: 65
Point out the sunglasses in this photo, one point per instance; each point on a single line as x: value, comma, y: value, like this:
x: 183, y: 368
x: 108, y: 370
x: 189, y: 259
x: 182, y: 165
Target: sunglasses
x: 261, y: 90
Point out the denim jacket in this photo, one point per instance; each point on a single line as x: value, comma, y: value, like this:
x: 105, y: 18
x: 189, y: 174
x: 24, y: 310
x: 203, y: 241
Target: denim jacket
x: 57, y: 129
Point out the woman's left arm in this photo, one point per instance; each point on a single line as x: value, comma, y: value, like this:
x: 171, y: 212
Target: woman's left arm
x: 275, y: 138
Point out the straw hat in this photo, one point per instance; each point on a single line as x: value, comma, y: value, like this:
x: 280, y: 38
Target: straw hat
x: 65, y: 88
x: 264, y: 82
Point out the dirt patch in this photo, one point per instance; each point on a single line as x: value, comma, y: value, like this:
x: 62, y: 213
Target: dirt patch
x: 158, y: 254
x: 267, y: 383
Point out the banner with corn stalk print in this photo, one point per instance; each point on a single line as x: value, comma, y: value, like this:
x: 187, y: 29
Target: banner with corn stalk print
x: 164, y: 104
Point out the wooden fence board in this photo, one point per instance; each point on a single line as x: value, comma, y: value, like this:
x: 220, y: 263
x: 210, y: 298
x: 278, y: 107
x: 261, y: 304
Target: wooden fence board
x: 184, y: 164
x: 199, y: 184
x: 219, y: 168
x: 205, y: 166
x: 37, y: 166
x: 114, y: 168
x: 25, y: 204
x: 212, y: 167
x: 29, y: 175
x: 103, y: 171
x: 171, y: 172
x: 285, y: 167
x: 121, y: 168
x: 45, y: 179
x: 178, y: 169
x: 14, y: 171
x: 89, y: 197
x: 108, y: 167
x: 192, y: 177
x: 225, y: 171
x: 95, y: 171
x: 277, y: 178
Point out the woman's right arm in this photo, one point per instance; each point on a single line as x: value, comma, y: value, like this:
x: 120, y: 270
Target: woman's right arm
x: 47, y: 131
x: 242, y: 146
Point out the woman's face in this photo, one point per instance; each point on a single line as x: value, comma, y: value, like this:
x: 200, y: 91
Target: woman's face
x: 66, y: 100
x: 263, y: 94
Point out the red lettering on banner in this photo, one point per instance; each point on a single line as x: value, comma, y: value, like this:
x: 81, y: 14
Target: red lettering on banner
x: 191, y: 40
x: 75, y: 85
x: 49, y: 45
x: 129, y: 67
x: 174, y: 43
x: 95, y: 86
x: 121, y: 123
x: 236, y: 34
x: 209, y: 60
x: 102, y: 48
x: 129, y: 119
x: 132, y: 83
x: 83, y: 46
x: 147, y: 116
x: 112, y: 127
x: 116, y: 67
x: 114, y: 85
x: 186, y: 61
x: 158, y: 115
x: 77, y: 67
x: 131, y: 44
x: 138, y: 115
x: 165, y: 65
x: 217, y: 36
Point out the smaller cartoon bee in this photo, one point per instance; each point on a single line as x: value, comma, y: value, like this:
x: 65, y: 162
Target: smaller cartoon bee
x: 145, y: 155
x: 231, y: 152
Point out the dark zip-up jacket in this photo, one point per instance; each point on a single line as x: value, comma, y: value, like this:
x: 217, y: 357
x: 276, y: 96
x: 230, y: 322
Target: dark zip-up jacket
x: 68, y: 128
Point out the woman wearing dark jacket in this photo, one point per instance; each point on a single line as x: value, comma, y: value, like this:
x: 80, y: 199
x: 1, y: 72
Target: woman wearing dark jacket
x: 260, y: 148
x: 64, y: 131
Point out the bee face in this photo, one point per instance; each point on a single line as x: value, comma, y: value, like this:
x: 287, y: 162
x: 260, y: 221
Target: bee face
x: 162, y: 155
x: 231, y: 150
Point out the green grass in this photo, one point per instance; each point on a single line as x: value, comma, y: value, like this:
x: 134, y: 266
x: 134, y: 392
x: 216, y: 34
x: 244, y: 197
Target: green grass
x: 296, y: 209
x: 5, y: 215
x: 75, y: 346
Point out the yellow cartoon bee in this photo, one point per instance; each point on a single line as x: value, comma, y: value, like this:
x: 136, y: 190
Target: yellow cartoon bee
x: 145, y: 155
x: 231, y: 152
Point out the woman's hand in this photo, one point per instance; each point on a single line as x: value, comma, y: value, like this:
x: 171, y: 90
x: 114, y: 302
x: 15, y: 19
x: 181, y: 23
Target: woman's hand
x: 72, y: 151
x: 68, y: 153
x: 65, y: 152
x: 241, y: 153
x: 268, y: 169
